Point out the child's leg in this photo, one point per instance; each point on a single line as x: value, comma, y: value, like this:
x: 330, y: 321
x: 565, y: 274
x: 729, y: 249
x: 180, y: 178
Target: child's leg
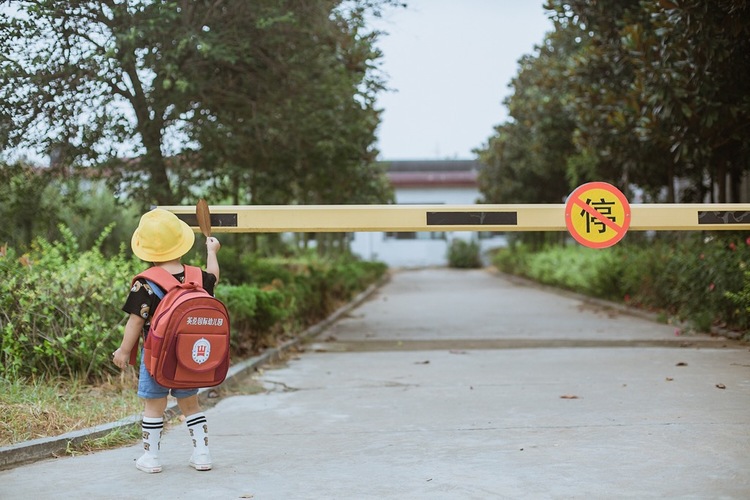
x: 155, y: 407
x: 189, y: 405
x: 198, y: 428
x: 152, y: 427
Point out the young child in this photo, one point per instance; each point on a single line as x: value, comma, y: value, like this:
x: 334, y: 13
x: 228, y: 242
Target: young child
x: 162, y: 239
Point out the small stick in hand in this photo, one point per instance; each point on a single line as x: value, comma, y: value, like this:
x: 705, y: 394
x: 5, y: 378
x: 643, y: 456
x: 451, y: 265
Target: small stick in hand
x: 204, y: 217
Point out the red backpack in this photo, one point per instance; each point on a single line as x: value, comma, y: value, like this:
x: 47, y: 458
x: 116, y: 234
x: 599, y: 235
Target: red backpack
x: 188, y: 340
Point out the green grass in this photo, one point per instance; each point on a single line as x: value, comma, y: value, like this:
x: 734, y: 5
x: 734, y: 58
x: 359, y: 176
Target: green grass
x: 35, y: 409
x: 122, y: 436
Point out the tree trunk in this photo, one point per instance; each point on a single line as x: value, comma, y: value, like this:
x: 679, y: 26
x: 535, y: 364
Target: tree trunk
x: 721, y: 182
x: 735, y: 183
x: 671, y: 194
x: 159, y: 190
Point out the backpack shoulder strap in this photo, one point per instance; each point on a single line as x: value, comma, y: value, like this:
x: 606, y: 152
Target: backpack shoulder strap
x: 161, y: 281
x: 161, y: 277
x: 193, y: 274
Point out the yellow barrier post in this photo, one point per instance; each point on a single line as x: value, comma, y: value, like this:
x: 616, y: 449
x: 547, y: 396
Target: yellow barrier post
x: 399, y: 218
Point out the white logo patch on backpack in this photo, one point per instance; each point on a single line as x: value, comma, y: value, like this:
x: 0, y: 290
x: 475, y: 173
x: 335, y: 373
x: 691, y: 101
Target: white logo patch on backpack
x: 201, y: 351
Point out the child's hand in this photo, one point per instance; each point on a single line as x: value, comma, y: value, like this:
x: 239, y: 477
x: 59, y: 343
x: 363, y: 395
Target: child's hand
x: 212, y: 244
x: 121, y: 358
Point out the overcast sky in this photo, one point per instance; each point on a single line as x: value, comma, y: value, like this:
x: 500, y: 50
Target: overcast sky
x: 450, y: 63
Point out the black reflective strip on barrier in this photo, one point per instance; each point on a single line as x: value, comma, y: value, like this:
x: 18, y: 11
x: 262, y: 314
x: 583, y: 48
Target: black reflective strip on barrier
x: 217, y: 220
x: 472, y: 218
x: 737, y: 217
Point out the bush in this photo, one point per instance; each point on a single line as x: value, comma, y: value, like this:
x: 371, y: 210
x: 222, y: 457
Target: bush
x: 513, y: 259
x: 579, y: 269
x: 253, y: 313
x: 693, y: 277
x: 60, y: 310
x: 741, y: 299
x: 464, y: 254
x: 269, y: 298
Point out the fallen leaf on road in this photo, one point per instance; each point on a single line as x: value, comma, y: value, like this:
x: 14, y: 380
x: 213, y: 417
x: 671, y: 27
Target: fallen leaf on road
x: 569, y: 396
x: 721, y: 386
x: 669, y: 379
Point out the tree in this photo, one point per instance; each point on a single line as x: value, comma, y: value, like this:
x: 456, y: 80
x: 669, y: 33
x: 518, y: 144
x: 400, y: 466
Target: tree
x: 229, y: 93
x: 660, y: 92
x: 85, y: 78
x: 646, y: 95
x: 525, y: 162
x: 28, y: 207
x: 693, y: 74
x: 600, y: 76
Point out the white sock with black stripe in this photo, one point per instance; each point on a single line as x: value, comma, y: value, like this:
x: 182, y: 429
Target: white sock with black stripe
x: 197, y: 426
x: 152, y: 428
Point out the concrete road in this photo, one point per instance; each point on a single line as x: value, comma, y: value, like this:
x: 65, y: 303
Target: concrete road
x: 460, y: 385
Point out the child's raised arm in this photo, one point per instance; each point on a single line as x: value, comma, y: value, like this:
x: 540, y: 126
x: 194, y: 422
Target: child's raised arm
x: 212, y: 262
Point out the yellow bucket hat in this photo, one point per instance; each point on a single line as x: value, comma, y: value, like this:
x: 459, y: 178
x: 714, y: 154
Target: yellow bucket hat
x: 161, y: 237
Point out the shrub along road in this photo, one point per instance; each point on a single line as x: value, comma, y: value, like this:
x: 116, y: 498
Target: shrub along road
x: 460, y: 384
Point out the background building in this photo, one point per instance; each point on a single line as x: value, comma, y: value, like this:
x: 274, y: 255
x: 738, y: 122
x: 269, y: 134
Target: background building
x: 452, y: 182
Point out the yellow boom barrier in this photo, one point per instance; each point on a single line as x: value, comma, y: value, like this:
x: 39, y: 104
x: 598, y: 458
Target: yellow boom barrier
x: 400, y: 218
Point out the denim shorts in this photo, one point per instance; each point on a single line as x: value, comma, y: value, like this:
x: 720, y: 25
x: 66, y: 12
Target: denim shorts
x: 149, y: 389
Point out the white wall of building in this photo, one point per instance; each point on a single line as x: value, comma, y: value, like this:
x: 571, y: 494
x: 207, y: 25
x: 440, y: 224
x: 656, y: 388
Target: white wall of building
x: 425, y: 250
x: 440, y: 195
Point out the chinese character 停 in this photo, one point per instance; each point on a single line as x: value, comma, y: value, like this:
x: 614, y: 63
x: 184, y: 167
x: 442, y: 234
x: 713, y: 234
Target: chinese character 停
x: 604, y: 208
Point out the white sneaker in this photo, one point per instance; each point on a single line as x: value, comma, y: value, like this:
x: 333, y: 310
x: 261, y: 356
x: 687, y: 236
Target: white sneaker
x: 200, y: 460
x: 148, y: 463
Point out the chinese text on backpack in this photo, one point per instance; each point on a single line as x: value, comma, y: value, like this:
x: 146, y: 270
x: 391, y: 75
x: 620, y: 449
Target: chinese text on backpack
x: 188, y: 341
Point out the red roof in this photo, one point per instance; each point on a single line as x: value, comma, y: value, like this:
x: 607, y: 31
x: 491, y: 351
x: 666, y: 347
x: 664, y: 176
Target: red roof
x: 433, y: 173
x: 420, y: 179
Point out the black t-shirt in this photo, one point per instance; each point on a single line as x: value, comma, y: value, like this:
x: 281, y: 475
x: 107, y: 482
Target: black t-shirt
x: 142, y: 300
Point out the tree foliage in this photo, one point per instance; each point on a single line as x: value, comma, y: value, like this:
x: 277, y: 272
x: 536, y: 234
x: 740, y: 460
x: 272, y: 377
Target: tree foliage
x: 526, y: 158
x: 266, y: 101
x: 36, y: 202
x: 643, y: 94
